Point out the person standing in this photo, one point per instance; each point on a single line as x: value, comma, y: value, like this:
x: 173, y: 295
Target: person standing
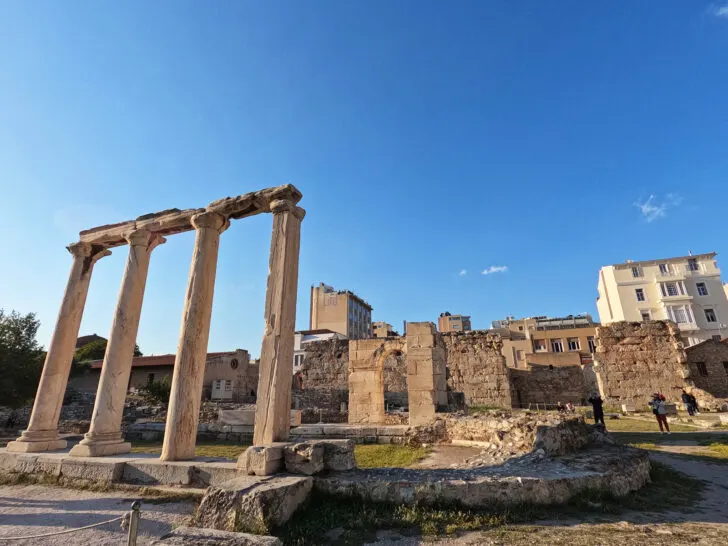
x: 660, y: 411
x: 597, y: 405
x: 688, y: 403
x: 694, y: 403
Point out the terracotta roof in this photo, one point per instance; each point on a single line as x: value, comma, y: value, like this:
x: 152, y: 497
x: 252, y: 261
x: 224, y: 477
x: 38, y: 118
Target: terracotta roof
x: 157, y: 360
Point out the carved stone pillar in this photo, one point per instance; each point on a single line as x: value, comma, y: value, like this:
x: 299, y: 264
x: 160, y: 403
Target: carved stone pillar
x: 272, y: 411
x: 183, y: 412
x: 42, y: 431
x: 104, y: 436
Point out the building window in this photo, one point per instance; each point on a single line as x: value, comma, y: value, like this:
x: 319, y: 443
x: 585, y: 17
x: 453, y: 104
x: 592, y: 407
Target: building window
x: 636, y: 272
x: 679, y: 315
x: 557, y: 346
x: 234, y: 363
x: 592, y: 344
x: 702, y: 289
x: 539, y: 345
x: 150, y: 379
x: 520, y: 355
x: 669, y: 289
x: 725, y: 367
x: 692, y: 264
x: 645, y: 315
x: 640, y: 294
x: 573, y: 344
x: 664, y: 270
x: 716, y: 337
x: 702, y: 369
x: 710, y: 315
x: 228, y: 385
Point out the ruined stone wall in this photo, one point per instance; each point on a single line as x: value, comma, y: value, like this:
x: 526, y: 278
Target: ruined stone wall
x: 708, y: 364
x: 635, y: 359
x: 326, y: 364
x: 548, y: 385
x: 477, y: 368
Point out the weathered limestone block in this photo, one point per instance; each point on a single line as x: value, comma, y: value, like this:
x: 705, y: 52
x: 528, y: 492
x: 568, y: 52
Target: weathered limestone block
x: 194, y: 536
x: 251, y: 504
x: 338, y: 454
x: 304, y: 458
x: 262, y: 460
x: 156, y: 472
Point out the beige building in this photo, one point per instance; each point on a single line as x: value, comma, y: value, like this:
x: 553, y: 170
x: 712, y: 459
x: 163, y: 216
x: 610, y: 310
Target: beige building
x: 447, y: 322
x: 529, y: 340
x: 341, y: 311
x: 383, y: 329
x: 228, y: 376
x: 686, y: 290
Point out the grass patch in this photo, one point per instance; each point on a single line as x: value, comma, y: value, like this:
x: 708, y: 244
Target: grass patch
x: 704, y: 446
x: 227, y: 450
x: 387, y: 455
x: 626, y: 424
x: 358, y: 520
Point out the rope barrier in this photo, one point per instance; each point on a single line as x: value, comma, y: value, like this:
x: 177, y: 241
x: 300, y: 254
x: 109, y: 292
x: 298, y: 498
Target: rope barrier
x: 66, y: 531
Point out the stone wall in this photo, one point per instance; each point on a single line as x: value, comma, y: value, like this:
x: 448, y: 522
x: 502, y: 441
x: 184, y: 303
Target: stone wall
x: 477, y: 368
x: 636, y: 359
x: 326, y: 365
x: 712, y: 375
x: 548, y: 385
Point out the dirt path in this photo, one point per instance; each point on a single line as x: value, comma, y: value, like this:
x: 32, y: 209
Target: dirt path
x: 36, y: 509
x: 446, y: 456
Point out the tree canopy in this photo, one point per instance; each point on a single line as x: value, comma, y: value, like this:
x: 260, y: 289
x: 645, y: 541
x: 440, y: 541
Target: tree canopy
x: 21, y: 358
x: 96, y: 350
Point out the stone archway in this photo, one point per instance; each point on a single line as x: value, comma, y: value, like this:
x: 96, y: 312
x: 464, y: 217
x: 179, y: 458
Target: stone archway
x: 366, y: 377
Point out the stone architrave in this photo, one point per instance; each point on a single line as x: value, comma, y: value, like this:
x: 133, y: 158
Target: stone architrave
x: 189, y: 366
x: 42, y: 431
x: 104, y: 436
x: 272, y: 412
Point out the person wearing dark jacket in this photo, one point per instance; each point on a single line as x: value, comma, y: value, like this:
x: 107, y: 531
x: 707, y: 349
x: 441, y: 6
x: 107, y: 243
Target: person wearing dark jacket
x: 688, y: 403
x: 596, y: 401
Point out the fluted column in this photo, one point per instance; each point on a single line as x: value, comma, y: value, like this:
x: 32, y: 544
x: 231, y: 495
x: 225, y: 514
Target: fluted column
x: 42, y: 431
x: 189, y: 366
x: 104, y: 436
x: 272, y: 411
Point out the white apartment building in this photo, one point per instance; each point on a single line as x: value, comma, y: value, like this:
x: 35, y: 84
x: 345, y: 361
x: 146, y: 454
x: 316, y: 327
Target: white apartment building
x: 686, y: 290
x: 307, y: 336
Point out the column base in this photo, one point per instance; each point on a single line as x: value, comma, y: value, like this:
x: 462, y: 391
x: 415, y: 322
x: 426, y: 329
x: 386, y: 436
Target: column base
x: 37, y: 441
x: 99, y: 450
x: 97, y: 444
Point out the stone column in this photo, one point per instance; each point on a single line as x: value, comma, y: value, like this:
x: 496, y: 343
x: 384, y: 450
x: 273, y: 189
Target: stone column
x: 183, y: 412
x: 273, y: 408
x: 42, y: 432
x: 104, y: 436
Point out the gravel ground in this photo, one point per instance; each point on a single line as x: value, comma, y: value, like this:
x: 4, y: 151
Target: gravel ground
x: 36, y: 509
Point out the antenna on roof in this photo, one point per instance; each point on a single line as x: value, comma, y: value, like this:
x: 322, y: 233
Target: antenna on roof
x: 690, y: 252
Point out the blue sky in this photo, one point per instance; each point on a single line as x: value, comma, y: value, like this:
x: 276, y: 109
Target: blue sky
x: 533, y: 140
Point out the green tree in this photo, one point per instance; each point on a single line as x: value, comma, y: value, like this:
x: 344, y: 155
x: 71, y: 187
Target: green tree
x: 96, y: 350
x: 21, y: 358
x: 157, y: 392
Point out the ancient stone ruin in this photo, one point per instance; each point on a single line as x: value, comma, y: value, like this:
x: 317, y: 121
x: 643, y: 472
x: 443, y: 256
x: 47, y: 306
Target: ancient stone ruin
x: 143, y: 235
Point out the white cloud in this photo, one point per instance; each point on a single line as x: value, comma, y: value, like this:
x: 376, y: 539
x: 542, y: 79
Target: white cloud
x: 652, y: 209
x: 495, y: 269
x: 463, y: 272
x: 719, y: 10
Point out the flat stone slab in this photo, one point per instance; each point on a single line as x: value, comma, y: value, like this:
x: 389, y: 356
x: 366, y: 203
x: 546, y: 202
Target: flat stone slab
x: 194, y: 536
x: 528, y: 479
x: 134, y: 469
x: 252, y: 503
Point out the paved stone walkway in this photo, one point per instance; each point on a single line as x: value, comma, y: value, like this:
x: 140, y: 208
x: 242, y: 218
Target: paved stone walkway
x: 36, y: 509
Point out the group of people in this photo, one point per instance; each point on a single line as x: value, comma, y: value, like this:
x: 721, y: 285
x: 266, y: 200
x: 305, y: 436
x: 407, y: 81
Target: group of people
x: 565, y: 408
x: 691, y: 404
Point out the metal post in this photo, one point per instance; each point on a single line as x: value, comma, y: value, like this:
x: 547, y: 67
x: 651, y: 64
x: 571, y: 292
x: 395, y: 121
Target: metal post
x: 134, y: 523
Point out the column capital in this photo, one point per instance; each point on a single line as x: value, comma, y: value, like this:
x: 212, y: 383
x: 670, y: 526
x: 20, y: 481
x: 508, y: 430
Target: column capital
x: 299, y: 213
x: 87, y: 250
x: 145, y: 238
x: 211, y: 220
x: 281, y: 205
